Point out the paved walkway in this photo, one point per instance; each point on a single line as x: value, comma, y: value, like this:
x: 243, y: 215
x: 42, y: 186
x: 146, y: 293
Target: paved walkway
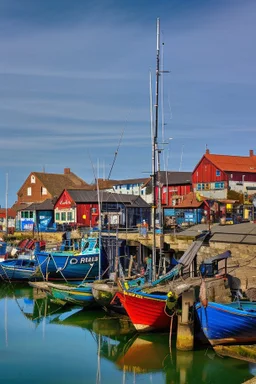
x: 244, y: 233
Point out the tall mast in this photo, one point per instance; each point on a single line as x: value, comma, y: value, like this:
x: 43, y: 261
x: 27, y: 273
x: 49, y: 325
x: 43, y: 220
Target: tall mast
x: 6, y: 203
x: 155, y: 147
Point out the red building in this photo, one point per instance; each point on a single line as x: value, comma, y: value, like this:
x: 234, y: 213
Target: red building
x: 174, y: 185
x: 215, y: 175
x: 11, y: 219
x: 68, y: 210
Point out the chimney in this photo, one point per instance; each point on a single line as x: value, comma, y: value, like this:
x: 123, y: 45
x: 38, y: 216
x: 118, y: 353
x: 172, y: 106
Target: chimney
x: 66, y: 171
x: 251, y: 154
x: 207, y: 151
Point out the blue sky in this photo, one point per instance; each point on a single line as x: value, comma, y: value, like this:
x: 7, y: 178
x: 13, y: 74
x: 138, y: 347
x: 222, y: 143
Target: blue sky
x: 74, y: 75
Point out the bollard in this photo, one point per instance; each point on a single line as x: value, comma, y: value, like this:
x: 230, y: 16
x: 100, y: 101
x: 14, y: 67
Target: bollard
x: 185, y: 330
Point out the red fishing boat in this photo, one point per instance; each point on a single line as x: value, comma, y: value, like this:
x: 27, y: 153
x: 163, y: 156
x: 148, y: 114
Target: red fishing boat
x: 147, y: 311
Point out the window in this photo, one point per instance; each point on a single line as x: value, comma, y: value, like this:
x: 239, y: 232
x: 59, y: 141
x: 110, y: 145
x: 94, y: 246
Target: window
x: 43, y: 191
x: 57, y: 216
x: 199, y: 187
x: 27, y: 214
x: 203, y: 186
x: 231, y: 176
x: 33, y: 179
x: 29, y: 191
x: 219, y: 185
x: 217, y: 172
x: 69, y: 216
x: 63, y: 216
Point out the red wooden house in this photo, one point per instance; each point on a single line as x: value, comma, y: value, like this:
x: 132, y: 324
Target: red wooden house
x: 174, y: 185
x: 68, y: 210
x: 215, y: 175
x: 223, y: 178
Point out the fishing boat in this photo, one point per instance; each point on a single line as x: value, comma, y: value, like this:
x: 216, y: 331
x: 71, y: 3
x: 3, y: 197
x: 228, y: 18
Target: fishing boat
x: 147, y: 312
x: 232, y: 323
x: 150, y: 308
x: 105, y: 291
x: 73, y: 294
x: 19, y: 270
x: 73, y: 265
x: 25, y: 249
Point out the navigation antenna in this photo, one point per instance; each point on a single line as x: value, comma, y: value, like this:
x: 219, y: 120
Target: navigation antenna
x: 115, y: 156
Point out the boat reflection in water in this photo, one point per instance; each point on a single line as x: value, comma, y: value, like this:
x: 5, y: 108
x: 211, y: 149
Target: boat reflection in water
x: 142, y: 354
x: 114, y: 351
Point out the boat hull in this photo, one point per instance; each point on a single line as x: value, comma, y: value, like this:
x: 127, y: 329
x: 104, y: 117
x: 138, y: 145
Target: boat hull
x: 78, y: 295
x: 17, y: 270
x: 227, y: 324
x: 66, y: 265
x: 146, y: 312
x: 104, y: 293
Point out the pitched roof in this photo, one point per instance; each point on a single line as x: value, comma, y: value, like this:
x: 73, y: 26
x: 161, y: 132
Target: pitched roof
x: 55, y: 183
x: 173, y: 178
x: 84, y: 196
x: 233, y: 163
x: 19, y: 206
x: 104, y: 184
x: 47, y: 205
x: 191, y: 200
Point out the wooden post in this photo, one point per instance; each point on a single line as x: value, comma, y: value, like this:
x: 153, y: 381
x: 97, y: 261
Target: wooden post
x: 130, y: 266
x: 185, y: 332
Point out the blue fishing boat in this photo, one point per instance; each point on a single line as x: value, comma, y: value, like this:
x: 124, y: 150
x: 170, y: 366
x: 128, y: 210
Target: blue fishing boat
x: 73, y: 265
x: 73, y: 294
x: 233, y: 323
x: 18, y: 269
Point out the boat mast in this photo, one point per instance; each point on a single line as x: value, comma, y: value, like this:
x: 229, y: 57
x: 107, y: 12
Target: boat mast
x: 155, y: 147
x: 6, y: 202
x: 99, y: 222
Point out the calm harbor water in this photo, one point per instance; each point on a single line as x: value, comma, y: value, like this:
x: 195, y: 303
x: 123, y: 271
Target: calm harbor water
x: 45, y: 343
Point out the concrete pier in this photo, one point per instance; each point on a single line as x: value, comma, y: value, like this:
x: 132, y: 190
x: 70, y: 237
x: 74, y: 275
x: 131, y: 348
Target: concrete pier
x: 241, y: 352
x: 185, y: 329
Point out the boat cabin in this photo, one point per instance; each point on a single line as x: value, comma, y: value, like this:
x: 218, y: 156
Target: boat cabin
x: 211, y: 267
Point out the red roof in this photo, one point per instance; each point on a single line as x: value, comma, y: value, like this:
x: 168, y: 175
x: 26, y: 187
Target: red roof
x: 191, y: 200
x: 233, y: 163
x: 11, y: 212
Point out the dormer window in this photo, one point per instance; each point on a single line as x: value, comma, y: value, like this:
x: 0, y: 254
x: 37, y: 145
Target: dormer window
x: 33, y: 179
x: 43, y: 191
